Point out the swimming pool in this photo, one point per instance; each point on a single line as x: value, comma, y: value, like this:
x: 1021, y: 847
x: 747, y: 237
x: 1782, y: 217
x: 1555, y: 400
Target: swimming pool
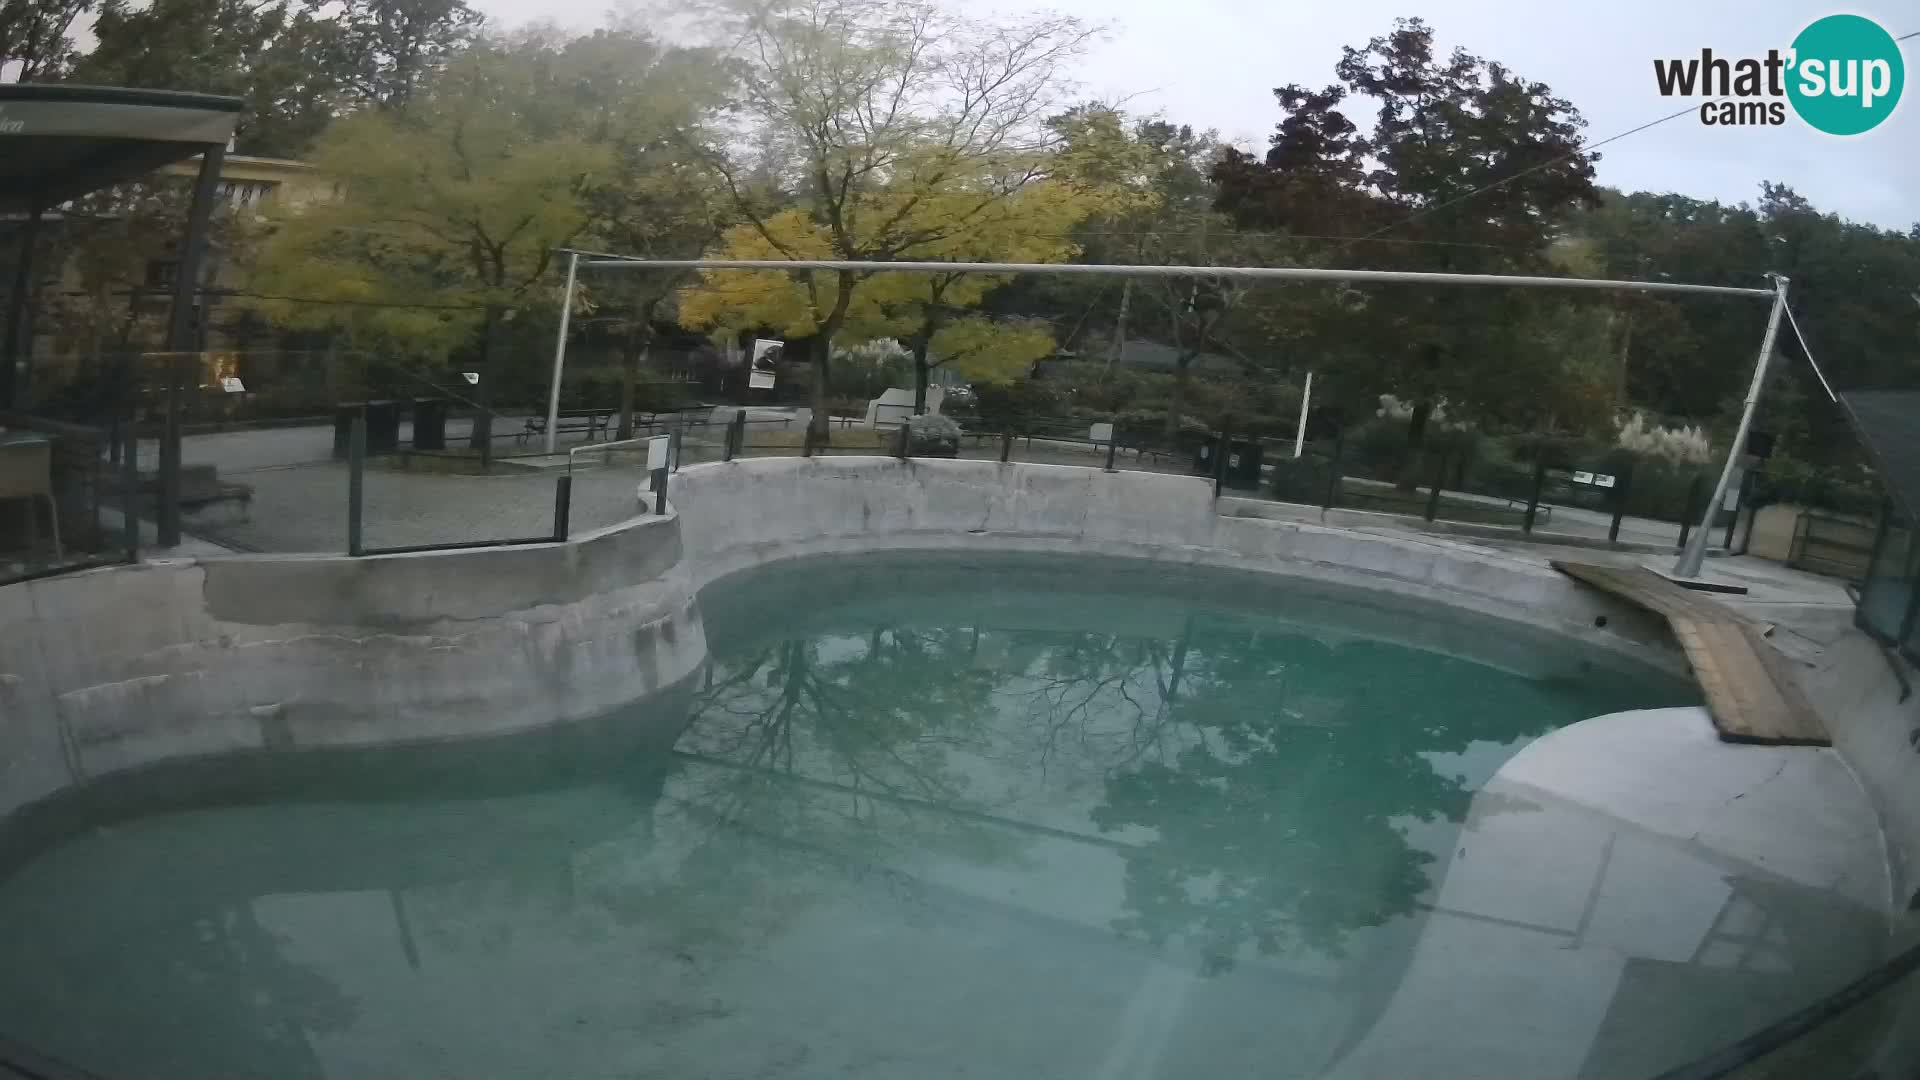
x: 921, y: 816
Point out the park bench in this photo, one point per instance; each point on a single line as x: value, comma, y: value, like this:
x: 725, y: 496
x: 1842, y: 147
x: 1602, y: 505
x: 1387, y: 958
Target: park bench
x: 592, y: 421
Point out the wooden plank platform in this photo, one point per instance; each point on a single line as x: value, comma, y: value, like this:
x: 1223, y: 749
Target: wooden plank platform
x: 1751, y: 693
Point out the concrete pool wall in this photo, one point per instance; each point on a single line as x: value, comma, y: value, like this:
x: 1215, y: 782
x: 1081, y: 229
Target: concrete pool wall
x: 752, y: 512
x: 105, y: 671
x: 749, y: 513
x: 109, y: 670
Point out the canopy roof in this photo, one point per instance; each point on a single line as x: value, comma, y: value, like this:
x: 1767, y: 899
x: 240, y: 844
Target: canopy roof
x: 58, y: 142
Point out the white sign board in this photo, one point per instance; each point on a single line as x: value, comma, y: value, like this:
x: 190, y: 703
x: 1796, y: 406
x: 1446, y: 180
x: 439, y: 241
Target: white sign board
x: 472, y: 377
x: 1583, y: 478
x: 232, y: 385
x: 766, y: 363
x: 1100, y: 433
x: 1602, y: 480
x: 657, y: 450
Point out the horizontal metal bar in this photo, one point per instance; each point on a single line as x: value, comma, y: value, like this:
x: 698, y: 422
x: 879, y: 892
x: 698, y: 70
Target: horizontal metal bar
x: 68, y: 568
x: 587, y: 448
x: 604, y: 261
x: 469, y: 545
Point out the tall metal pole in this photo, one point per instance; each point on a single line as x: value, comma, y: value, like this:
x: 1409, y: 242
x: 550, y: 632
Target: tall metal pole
x: 1300, y: 433
x: 181, y: 338
x: 560, y: 354
x: 1696, y: 549
x: 19, y: 333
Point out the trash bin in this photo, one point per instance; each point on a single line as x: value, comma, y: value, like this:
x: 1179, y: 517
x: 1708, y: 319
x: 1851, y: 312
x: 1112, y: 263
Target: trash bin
x: 343, y: 414
x: 430, y: 424
x: 1243, y: 462
x: 1243, y: 466
x: 1203, y: 455
x: 383, y: 427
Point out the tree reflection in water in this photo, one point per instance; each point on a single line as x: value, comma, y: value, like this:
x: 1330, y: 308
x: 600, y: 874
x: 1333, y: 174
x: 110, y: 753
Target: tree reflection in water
x: 1259, y: 779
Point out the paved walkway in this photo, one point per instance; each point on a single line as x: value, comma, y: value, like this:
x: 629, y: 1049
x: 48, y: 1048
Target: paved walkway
x: 300, y: 494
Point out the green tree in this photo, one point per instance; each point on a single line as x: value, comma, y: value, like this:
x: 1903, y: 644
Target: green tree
x: 898, y: 128
x: 212, y: 46
x: 644, y: 102
x: 35, y: 39
x: 1689, y: 358
x: 1464, y: 156
x: 387, y: 48
x: 297, y: 66
x: 448, y: 216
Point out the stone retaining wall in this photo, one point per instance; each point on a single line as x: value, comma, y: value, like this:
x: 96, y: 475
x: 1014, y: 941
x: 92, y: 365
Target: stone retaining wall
x: 112, y: 669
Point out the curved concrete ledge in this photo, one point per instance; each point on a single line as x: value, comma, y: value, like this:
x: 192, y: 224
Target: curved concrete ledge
x: 1597, y: 854
x: 114, y: 669
x: 749, y: 513
x: 1629, y: 894
x: 252, y: 653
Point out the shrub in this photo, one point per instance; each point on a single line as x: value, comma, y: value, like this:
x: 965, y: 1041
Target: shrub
x: 1682, y: 445
x: 1787, y: 479
x: 932, y: 435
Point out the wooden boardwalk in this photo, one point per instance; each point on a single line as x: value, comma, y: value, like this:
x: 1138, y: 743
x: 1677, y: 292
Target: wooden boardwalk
x: 1751, y: 693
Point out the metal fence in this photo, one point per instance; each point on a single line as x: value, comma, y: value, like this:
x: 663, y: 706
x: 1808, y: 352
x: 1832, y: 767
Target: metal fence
x: 1889, y: 607
x: 254, y: 451
x: 201, y: 453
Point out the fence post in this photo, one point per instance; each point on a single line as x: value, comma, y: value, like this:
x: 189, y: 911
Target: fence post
x: 660, y: 491
x: 736, y: 434
x: 130, y: 484
x: 806, y: 441
x: 1693, y: 508
x: 1113, y: 443
x: 900, y: 449
x: 1439, y: 477
x: 167, y: 514
x: 1533, y: 500
x: 562, y: 506
x: 1220, y: 455
x: 1006, y: 446
x: 1333, y: 470
x: 356, y: 482
x: 1734, y: 521
x: 1620, y: 485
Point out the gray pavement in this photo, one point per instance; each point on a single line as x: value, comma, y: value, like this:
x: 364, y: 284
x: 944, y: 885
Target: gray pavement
x: 300, y: 495
x: 305, y: 508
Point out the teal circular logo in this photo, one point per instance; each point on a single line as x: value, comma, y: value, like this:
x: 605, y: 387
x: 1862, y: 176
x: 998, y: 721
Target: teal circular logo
x: 1846, y: 75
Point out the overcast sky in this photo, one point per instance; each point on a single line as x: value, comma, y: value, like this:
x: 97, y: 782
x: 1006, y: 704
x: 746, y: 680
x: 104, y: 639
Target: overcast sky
x: 1214, y: 64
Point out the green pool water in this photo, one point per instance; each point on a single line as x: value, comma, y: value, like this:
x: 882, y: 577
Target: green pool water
x: 920, y: 817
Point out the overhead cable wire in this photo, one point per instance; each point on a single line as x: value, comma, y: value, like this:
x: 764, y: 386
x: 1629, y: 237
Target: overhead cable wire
x: 1815, y: 364
x: 1503, y: 181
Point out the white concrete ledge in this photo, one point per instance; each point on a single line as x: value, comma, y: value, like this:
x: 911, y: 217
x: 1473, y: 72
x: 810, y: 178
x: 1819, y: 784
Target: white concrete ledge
x: 1635, y: 864
x: 742, y: 514
x: 110, y: 670
x: 115, y: 669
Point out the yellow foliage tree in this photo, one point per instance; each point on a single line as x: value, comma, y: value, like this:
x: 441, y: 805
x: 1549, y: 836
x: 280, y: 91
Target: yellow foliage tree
x: 445, y: 218
x: 904, y: 133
